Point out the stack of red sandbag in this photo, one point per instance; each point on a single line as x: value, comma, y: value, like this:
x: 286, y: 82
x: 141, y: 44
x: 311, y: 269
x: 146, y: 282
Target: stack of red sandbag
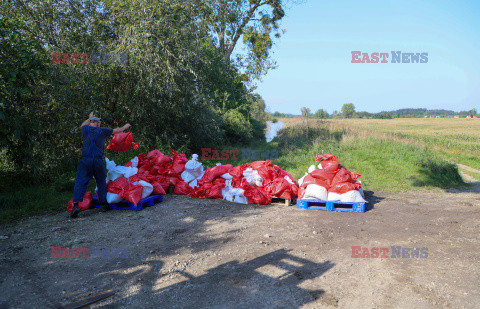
x: 156, y: 173
x: 258, y: 182
x: 159, y: 169
x: 212, y: 182
x: 331, y: 181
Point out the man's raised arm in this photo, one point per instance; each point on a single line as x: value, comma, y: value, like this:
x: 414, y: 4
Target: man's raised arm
x: 118, y: 130
x: 85, y: 123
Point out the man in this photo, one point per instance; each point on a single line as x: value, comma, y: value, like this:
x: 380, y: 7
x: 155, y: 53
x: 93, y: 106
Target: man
x: 91, y: 162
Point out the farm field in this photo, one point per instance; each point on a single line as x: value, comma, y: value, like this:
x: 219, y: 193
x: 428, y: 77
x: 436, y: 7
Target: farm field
x: 457, y: 140
x: 392, y: 154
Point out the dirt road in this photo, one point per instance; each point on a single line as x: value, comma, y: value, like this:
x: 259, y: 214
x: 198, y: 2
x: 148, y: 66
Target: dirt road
x: 192, y: 253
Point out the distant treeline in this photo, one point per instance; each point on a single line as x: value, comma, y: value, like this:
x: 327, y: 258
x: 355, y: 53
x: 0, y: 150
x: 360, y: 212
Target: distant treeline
x: 348, y: 111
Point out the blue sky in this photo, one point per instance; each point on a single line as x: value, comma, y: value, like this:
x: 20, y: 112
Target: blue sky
x: 314, y: 56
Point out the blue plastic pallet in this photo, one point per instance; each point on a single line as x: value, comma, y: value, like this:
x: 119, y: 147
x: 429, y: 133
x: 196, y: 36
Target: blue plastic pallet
x: 332, y: 206
x: 125, y: 205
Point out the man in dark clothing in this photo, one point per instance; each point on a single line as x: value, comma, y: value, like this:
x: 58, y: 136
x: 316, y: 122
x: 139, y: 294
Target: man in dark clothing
x: 91, y: 162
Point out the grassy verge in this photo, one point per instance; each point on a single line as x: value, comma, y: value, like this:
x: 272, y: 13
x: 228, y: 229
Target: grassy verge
x: 474, y: 175
x: 384, y: 164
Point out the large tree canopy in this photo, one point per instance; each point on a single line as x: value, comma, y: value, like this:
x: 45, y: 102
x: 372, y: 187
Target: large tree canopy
x: 177, y: 88
x: 253, y: 20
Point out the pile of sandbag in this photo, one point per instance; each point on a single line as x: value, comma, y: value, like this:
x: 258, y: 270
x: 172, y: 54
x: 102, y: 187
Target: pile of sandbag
x: 147, y: 174
x: 330, y: 182
x: 254, y: 183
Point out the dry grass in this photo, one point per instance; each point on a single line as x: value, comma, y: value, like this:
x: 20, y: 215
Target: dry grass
x: 457, y: 140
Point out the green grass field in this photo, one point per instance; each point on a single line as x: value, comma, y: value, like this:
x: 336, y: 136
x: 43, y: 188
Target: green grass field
x: 384, y: 161
x: 457, y: 140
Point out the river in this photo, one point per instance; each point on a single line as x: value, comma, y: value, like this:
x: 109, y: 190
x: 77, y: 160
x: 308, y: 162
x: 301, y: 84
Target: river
x: 272, y: 129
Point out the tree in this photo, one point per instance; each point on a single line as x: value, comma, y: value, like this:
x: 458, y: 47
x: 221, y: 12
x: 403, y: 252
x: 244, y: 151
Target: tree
x: 306, y: 115
x: 321, y: 114
x: 363, y: 114
x: 348, y: 110
x: 382, y: 115
x: 335, y: 114
x: 256, y: 21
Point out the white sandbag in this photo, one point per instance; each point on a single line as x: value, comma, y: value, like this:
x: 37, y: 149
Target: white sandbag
x: 134, y: 162
x: 113, y: 198
x: 193, y: 183
x: 147, y: 188
x: 361, y: 189
x: 252, y: 177
x: 194, y: 167
x: 314, y: 191
x: 187, y: 176
x: 227, y: 176
x: 110, y: 164
x: 249, y: 176
x: 333, y: 197
x: 300, y: 181
x: 116, y: 171
x: 240, y: 199
x: 352, y: 197
x: 238, y: 196
x: 311, y: 168
x: 227, y: 193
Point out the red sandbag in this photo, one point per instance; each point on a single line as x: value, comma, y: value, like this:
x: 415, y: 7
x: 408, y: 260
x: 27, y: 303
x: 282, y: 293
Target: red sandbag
x: 153, y: 154
x: 214, y: 172
x: 157, y: 188
x: 343, y: 175
x: 134, y: 178
x: 219, y: 181
x: 178, y: 166
x: 182, y: 188
x: 118, y: 186
x: 256, y: 195
x: 301, y: 192
x: 85, y: 204
x: 294, y: 188
x: 121, y: 141
x: 277, y: 187
x: 215, y: 192
x: 344, y: 187
x: 161, y: 160
x: 237, y: 171
x: 287, y: 194
x: 128, y: 164
x: 265, y: 169
x: 174, y: 180
x: 200, y: 191
x: 309, y: 179
x: 164, y: 182
x: 324, y: 175
x: 133, y: 194
x: 330, y: 162
x: 237, y: 182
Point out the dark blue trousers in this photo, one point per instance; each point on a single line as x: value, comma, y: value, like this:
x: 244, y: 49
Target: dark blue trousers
x: 87, y: 168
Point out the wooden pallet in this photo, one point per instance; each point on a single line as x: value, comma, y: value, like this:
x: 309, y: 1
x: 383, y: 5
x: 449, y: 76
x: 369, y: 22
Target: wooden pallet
x: 288, y: 202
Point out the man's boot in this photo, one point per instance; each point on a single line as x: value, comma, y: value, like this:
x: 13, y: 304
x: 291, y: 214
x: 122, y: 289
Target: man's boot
x: 75, y: 210
x: 105, y: 207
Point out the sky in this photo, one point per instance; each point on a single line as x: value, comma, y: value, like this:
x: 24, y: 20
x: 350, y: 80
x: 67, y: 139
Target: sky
x: 314, y: 56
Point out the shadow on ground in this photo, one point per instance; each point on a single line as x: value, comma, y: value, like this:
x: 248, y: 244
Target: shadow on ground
x: 270, y: 280
x: 372, y: 200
